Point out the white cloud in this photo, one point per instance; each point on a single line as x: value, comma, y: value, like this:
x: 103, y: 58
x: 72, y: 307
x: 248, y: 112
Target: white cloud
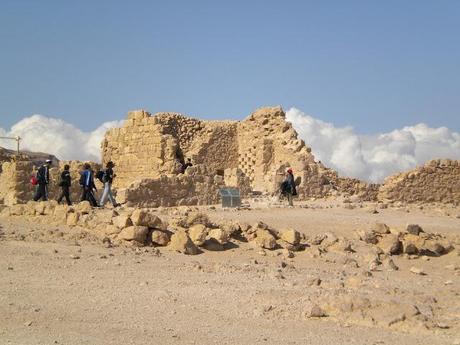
x: 370, y: 158
x: 374, y: 157
x: 45, y: 134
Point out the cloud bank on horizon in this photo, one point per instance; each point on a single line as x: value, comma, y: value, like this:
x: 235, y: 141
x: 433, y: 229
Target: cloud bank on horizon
x: 368, y: 157
x: 374, y: 157
x: 45, y: 134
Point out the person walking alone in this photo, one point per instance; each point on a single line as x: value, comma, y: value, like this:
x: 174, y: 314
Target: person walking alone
x: 43, y: 178
x: 289, y: 187
x: 108, y: 180
x: 65, y: 183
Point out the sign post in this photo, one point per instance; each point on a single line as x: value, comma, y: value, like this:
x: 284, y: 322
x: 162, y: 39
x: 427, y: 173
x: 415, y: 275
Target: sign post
x: 18, y: 139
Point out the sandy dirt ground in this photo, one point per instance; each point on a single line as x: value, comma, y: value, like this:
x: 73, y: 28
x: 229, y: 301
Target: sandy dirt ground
x: 58, y: 287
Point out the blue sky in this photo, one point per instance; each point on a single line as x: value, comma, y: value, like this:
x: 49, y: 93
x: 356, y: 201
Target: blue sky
x: 374, y: 65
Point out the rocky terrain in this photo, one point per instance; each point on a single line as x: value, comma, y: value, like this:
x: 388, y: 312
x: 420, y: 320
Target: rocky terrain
x: 326, y: 271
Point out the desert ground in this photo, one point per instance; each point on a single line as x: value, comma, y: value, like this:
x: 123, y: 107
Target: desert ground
x: 61, y: 285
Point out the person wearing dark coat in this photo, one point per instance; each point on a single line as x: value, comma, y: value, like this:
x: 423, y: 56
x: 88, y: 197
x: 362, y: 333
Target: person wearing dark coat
x: 65, y: 183
x: 108, y: 180
x: 290, y: 187
x: 43, y: 178
x: 88, y: 186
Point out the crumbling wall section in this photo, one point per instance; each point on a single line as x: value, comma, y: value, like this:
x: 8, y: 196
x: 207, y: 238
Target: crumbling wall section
x: 140, y: 149
x: 436, y: 181
x: 15, y: 186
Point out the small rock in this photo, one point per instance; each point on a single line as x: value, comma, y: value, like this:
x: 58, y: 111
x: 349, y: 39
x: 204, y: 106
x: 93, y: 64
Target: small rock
x: 75, y: 257
x: 417, y: 270
x: 414, y: 229
x: 315, y: 311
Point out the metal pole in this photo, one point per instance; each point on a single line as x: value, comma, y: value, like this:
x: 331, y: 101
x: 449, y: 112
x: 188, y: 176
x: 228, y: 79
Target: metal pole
x: 18, y: 139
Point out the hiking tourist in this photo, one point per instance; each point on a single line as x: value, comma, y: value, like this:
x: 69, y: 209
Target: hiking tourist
x: 43, y: 178
x: 65, y: 183
x: 288, y: 187
x: 88, y: 186
x: 107, y: 179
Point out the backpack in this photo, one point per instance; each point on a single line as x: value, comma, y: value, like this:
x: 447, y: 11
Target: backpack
x: 100, y: 176
x: 33, y: 181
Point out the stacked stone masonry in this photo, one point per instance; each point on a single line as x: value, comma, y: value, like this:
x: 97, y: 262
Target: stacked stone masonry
x: 258, y: 150
x: 436, y: 181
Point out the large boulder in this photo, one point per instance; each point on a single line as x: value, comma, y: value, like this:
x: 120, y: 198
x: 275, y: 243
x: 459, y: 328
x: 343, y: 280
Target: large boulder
x: 122, y: 221
x: 160, y: 237
x: 142, y: 217
x: 290, y: 236
x: 368, y: 236
x: 390, y: 244
x: 380, y: 228
x: 134, y: 233
x: 182, y: 243
x: 414, y: 229
x: 197, y: 218
x: 265, y: 239
x: 219, y: 235
x: 198, y: 233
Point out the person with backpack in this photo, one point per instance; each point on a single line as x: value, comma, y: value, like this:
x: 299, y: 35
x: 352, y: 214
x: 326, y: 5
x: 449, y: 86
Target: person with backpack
x: 88, y: 186
x: 43, y: 178
x: 106, y: 177
x: 288, y: 187
x: 65, y: 183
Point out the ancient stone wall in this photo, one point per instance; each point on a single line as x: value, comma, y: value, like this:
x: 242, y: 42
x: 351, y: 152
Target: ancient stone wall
x: 436, y: 181
x: 15, y: 184
x: 195, y: 187
x: 260, y: 146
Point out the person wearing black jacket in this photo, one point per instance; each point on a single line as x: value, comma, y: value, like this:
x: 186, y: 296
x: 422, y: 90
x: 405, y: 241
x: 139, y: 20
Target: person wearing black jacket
x: 65, y: 183
x: 87, y: 184
x: 289, y: 187
x: 108, y: 179
x: 43, y: 177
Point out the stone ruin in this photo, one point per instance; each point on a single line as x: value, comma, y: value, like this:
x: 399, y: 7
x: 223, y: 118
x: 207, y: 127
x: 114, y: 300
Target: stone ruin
x: 436, y: 181
x: 251, y: 155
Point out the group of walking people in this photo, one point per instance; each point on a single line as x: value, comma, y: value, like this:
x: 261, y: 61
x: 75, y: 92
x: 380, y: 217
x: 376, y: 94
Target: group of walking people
x: 106, y: 176
x: 88, y: 187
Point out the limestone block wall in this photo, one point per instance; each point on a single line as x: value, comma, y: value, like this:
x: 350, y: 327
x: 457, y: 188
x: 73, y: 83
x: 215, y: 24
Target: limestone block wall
x: 261, y: 146
x: 140, y: 149
x: 268, y: 145
x: 436, y: 181
x: 15, y: 186
x: 174, y: 190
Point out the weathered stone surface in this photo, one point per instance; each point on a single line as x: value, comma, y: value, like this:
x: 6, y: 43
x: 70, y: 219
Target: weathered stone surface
x: 72, y: 219
x: 290, y: 235
x: 265, y: 239
x: 380, y: 228
x: 182, y: 243
x: 160, y: 237
x: 219, y: 235
x: 122, y: 221
x: 83, y: 207
x: 315, y: 311
x: 435, y: 181
x: 134, y: 233
x: 390, y: 244
x: 414, y: 229
x: 198, y: 233
x: 142, y: 217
